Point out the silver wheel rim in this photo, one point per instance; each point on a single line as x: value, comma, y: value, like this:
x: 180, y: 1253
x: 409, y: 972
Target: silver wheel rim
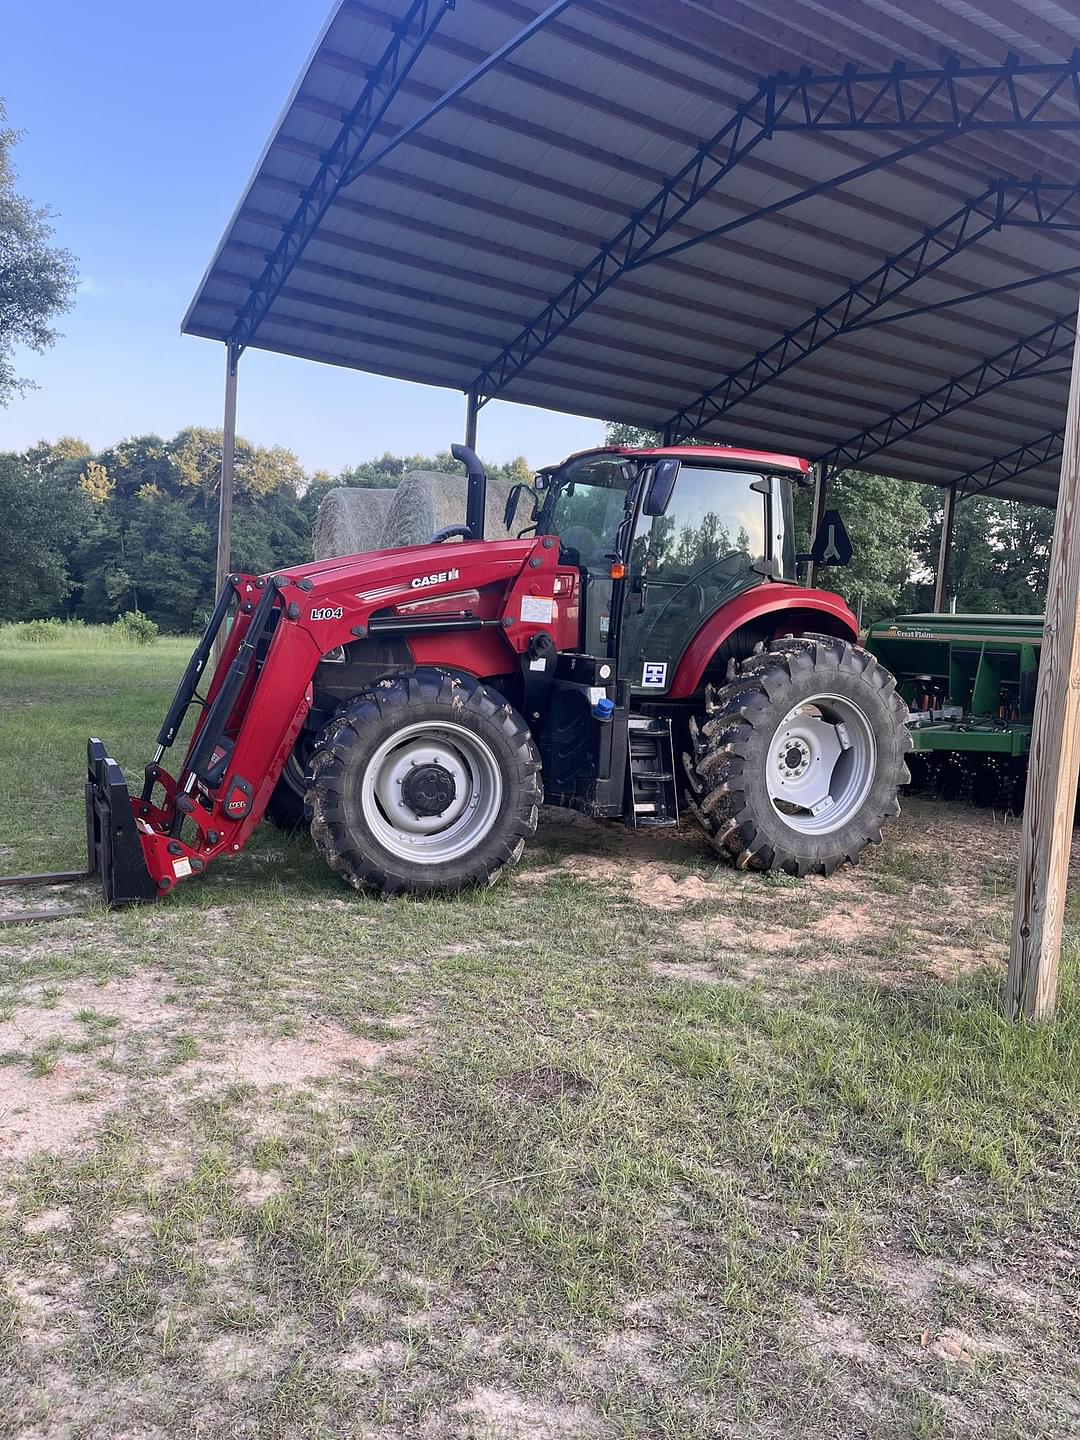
x: 466, y: 818
x: 821, y: 764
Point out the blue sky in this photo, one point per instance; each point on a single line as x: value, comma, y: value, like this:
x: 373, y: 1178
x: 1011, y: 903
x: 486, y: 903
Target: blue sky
x: 142, y: 124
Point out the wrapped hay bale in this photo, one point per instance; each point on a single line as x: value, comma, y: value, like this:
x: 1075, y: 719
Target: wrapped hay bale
x: 351, y: 520
x: 427, y: 501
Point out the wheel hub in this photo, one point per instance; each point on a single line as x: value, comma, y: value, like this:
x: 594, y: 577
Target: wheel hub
x: 428, y: 789
x: 795, y: 760
x: 821, y: 764
x: 431, y: 792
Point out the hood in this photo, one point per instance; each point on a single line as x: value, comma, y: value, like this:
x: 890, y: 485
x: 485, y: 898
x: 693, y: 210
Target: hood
x: 498, y: 558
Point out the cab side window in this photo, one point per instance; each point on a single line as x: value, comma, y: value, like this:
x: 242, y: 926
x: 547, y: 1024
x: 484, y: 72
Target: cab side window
x: 713, y: 515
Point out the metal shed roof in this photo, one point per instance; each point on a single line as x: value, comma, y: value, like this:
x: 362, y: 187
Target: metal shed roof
x: 845, y: 229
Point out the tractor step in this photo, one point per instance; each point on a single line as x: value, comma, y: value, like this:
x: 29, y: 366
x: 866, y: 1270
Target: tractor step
x: 651, y: 797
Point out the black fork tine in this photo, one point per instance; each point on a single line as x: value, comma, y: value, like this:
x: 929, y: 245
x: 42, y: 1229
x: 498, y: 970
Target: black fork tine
x: 28, y: 917
x: 47, y: 877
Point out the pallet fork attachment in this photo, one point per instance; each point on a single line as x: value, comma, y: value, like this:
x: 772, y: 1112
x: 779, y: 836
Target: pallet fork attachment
x: 113, y: 851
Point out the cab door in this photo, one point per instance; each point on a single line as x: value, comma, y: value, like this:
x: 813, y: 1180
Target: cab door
x: 591, y: 501
x: 684, y: 565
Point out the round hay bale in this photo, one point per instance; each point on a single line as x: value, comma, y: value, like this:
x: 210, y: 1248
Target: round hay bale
x: 427, y: 501
x: 351, y: 521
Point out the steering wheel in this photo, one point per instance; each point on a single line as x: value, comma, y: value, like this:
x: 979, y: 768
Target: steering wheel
x: 448, y: 532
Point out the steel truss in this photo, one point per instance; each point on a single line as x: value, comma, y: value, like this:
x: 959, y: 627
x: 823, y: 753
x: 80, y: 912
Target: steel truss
x: 1004, y: 203
x: 936, y: 104
x: 350, y: 156
x: 1029, y: 456
x: 1027, y: 356
x: 403, y: 50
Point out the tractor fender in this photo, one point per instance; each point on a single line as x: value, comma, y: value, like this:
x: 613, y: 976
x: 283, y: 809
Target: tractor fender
x: 796, y: 609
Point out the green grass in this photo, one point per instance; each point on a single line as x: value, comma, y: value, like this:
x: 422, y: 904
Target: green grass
x: 541, y: 1160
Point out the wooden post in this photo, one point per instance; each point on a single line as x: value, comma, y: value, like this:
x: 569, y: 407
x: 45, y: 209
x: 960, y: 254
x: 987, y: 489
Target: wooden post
x: 225, y: 495
x: 941, y: 580
x: 821, y: 484
x: 1046, y: 827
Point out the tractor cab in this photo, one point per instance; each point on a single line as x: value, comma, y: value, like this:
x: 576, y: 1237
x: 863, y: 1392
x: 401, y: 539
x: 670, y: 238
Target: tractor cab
x: 664, y: 539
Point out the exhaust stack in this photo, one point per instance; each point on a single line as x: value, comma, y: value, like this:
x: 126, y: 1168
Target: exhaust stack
x: 476, y: 504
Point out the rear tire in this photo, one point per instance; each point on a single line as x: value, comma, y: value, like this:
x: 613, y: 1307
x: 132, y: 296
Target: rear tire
x: 427, y: 783
x: 806, y: 706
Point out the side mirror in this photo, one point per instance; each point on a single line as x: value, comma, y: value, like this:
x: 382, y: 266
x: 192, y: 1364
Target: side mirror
x: 832, y: 545
x: 661, y: 486
x: 510, y: 508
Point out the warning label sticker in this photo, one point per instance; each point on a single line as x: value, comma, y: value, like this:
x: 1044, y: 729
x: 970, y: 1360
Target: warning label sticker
x: 536, y: 610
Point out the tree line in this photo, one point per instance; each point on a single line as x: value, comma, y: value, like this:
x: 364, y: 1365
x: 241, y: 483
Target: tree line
x: 134, y: 527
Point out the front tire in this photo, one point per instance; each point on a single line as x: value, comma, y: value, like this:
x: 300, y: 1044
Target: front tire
x: 427, y: 783
x: 798, y: 764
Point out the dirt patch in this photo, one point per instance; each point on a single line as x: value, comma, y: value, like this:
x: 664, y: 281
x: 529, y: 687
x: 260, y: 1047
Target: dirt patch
x: 370, y: 1360
x: 47, y: 1112
x: 136, y: 1002
x: 828, y: 1335
x: 910, y: 1281
x: 965, y: 1349
x: 47, y: 1222
x: 700, y: 973
x: 641, y: 881
x: 258, y: 1186
x: 498, y: 1414
x: 320, y: 1052
x: 74, y: 1058
x: 233, y: 1354
x: 544, y: 1084
x: 631, y: 1352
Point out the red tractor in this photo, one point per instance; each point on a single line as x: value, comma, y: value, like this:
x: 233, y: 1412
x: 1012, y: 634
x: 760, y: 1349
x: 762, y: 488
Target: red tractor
x: 643, y: 636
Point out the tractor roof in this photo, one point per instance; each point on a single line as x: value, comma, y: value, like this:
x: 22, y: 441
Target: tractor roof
x: 713, y: 454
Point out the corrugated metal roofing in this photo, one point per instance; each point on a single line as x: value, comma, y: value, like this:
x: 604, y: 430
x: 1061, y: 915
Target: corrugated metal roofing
x: 435, y: 258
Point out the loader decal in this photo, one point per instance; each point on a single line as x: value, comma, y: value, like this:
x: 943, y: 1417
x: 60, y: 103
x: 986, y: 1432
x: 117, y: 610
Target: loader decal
x: 439, y: 578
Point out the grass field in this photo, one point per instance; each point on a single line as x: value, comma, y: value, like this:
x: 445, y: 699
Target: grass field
x: 630, y: 1145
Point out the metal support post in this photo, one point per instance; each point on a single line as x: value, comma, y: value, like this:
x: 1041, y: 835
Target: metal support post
x: 821, y: 485
x: 225, y: 493
x: 941, y: 579
x: 1047, y: 824
x: 472, y: 411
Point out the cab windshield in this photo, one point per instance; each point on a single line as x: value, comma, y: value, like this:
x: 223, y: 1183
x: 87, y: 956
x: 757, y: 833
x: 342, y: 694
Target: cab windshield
x: 587, y: 504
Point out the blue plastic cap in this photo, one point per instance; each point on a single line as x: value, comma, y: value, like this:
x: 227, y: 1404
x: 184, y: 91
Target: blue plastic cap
x: 604, y: 709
